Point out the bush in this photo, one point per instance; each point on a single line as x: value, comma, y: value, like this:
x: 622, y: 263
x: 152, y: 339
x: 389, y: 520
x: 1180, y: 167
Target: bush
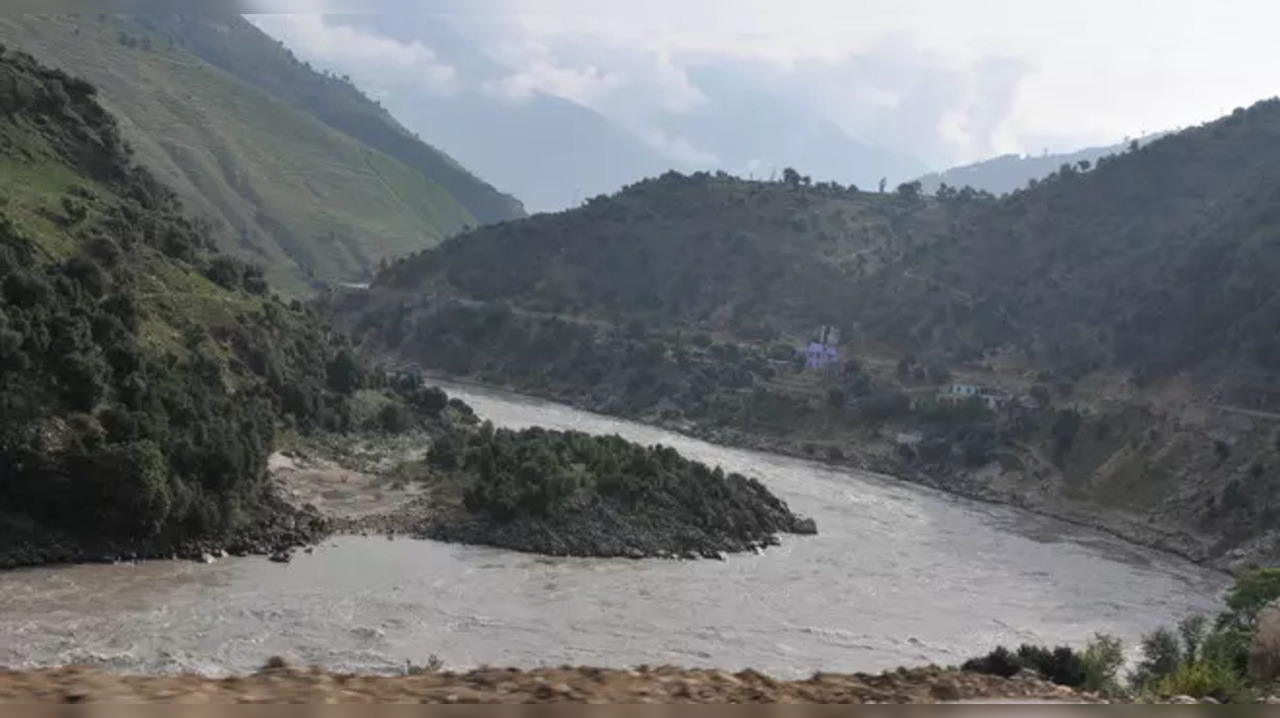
x: 1203, y: 680
x: 1060, y: 665
x: 999, y: 662
x: 1161, y: 657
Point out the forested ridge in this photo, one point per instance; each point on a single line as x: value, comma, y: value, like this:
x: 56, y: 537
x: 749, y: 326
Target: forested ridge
x: 143, y: 375
x: 1152, y: 261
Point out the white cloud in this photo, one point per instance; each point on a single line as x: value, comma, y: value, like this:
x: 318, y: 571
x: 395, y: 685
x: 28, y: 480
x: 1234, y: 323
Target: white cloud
x: 1088, y: 71
x: 951, y: 81
x: 677, y: 148
x: 585, y: 85
x: 371, y: 59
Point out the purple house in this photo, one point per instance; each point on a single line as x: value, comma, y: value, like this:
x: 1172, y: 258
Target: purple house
x: 819, y: 356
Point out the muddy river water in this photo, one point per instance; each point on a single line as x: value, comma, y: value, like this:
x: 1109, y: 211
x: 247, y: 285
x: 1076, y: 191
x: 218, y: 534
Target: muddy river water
x: 897, y: 575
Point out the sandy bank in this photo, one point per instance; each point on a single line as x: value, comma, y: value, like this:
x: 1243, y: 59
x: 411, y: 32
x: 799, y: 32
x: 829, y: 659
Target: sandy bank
x: 486, y: 685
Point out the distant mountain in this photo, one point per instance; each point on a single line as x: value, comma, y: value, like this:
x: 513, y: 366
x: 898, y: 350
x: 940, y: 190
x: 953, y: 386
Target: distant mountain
x: 750, y: 130
x: 553, y: 153
x: 279, y: 185
x: 549, y: 151
x: 1006, y: 173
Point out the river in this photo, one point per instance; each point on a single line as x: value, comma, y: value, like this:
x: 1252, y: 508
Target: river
x: 897, y: 575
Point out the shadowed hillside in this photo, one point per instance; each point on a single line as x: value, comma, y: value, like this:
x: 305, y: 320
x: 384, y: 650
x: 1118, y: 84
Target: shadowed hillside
x: 143, y: 374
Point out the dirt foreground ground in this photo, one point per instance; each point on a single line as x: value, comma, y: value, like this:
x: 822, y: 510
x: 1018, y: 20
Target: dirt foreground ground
x: 281, y: 684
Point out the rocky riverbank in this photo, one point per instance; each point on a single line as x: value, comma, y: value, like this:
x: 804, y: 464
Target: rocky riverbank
x: 1145, y: 531
x: 278, y: 683
x: 282, y: 528
x: 599, y: 529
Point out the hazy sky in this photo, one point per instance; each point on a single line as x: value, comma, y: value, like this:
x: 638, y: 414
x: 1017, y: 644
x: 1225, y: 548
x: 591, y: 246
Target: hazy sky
x: 949, y: 81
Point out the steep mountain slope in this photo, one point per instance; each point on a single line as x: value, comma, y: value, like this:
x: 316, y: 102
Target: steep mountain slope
x: 1006, y: 173
x: 699, y: 251
x: 1155, y: 260
x: 237, y: 46
x: 281, y: 188
x: 143, y: 375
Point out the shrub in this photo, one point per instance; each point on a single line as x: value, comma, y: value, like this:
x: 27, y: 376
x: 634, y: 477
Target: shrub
x: 1161, y: 657
x: 1060, y: 665
x: 1102, y: 660
x: 999, y: 662
x: 1203, y: 680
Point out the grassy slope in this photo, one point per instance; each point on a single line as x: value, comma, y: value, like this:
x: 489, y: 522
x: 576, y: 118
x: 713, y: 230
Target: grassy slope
x: 235, y: 45
x: 313, y: 200
x: 174, y: 296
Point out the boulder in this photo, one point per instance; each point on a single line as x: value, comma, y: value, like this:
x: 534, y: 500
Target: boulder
x: 1264, y: 651
x: 805, y: 527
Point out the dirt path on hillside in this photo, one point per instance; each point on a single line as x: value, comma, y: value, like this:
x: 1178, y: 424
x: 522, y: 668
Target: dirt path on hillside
x: 336, y: 491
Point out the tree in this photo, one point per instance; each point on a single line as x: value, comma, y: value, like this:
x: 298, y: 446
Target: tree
x: 1161, y: 657
x: 910, y: 190
x: 1250, y: 593
x: 344, y: 372
x: 790, y: 177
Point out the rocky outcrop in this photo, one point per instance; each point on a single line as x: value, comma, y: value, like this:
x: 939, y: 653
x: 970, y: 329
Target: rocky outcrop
x: 604, y: 529
x: 280, y: 528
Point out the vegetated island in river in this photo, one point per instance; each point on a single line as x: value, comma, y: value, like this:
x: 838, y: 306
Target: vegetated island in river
x: 573, y: 494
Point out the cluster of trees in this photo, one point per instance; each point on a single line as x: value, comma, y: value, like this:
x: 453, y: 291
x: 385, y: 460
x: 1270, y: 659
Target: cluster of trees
x: 538, y: 473
x: 1203, y: 657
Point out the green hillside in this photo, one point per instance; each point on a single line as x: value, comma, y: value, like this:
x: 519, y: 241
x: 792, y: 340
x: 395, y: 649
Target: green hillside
x: 715, y: 253
x: 1154, y: 261
x: 143, y: 374
x: 1127, y: 311
x: 235, y: 45
x: 279, y: 186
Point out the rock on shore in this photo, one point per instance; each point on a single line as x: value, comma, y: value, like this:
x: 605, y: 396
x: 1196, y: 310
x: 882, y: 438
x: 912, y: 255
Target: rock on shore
x: 599, y: 528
